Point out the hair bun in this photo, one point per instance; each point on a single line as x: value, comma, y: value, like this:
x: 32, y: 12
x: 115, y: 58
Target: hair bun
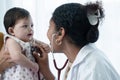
x: 94, y: 12
x: 92, y: 35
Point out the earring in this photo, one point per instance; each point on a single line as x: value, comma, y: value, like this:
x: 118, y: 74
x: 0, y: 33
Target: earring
x: 58, y: 42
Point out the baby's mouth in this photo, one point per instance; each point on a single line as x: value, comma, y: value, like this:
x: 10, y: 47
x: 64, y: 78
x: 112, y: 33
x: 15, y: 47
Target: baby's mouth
x: 30, y: 34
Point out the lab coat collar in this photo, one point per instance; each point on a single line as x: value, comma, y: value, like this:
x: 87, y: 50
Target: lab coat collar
x: 83, y: 53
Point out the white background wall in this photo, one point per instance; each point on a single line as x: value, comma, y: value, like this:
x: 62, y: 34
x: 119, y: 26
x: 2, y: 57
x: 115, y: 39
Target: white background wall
x: 41, y: 11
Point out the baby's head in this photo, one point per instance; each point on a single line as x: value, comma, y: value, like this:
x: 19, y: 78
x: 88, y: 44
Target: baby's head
x: 18, y: 23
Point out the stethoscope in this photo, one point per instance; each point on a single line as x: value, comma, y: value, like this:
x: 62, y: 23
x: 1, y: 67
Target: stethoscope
x: 59, y: 69
x: 54, y: 61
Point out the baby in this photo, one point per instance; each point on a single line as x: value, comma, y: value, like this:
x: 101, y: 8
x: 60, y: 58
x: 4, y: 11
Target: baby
x: 20, y: 43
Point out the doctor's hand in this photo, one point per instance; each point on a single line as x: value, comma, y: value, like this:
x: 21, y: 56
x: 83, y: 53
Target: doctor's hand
x: 45, y: 46
x: 44, y: 64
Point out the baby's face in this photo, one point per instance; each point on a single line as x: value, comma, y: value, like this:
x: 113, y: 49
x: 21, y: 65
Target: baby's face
x: 23, y: 29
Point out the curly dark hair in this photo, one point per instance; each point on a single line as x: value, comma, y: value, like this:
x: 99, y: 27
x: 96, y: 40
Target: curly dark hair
x: 73, y: 18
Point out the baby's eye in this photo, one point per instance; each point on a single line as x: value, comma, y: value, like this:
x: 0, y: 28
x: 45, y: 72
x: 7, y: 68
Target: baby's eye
x: 25, y: 26
x: 32, y: 25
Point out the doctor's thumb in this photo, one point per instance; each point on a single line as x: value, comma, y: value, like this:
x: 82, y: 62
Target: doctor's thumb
x: 36, y: 55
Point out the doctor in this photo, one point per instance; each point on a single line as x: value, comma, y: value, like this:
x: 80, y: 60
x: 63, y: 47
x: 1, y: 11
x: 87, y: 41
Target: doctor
x: 73, y: 30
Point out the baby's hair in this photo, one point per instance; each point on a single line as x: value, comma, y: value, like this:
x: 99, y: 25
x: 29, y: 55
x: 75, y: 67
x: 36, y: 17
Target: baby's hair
x: 13, y: 15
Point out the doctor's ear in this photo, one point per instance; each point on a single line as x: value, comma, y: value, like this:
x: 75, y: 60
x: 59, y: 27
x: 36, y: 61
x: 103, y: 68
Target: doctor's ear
x: 11, y: 30
x: 61, y: 33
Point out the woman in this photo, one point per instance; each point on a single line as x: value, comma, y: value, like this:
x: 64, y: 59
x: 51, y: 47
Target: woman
x: 73, y: 30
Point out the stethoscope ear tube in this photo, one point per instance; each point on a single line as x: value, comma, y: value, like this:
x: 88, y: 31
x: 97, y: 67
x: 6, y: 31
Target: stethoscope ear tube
x: 58, y: 69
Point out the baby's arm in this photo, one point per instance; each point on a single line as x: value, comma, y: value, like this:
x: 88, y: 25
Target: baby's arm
x: 17, y: 55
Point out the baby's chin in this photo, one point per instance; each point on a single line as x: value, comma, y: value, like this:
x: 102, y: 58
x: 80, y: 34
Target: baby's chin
x: 28, y: 40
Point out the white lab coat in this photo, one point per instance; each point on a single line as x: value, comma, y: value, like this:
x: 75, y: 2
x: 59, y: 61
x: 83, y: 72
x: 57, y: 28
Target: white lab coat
x: 92, y: 64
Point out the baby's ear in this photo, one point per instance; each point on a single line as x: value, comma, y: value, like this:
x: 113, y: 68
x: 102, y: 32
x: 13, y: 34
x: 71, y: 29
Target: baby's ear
x: 11, y: 30
x: 1, y: 40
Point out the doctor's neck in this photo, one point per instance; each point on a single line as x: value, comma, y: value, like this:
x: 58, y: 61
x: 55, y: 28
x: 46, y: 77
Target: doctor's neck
x: 71, y: 51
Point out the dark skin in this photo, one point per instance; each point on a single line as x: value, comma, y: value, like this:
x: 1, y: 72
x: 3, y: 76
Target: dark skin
x: 43, y: 64
x: 5, y: 60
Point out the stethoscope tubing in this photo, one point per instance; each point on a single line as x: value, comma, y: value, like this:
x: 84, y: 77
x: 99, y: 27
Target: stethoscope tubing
x: 59, y: 69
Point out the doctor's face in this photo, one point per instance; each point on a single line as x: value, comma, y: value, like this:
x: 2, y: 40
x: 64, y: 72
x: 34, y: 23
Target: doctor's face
x: 51, y: 34
x: 51, y: 30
